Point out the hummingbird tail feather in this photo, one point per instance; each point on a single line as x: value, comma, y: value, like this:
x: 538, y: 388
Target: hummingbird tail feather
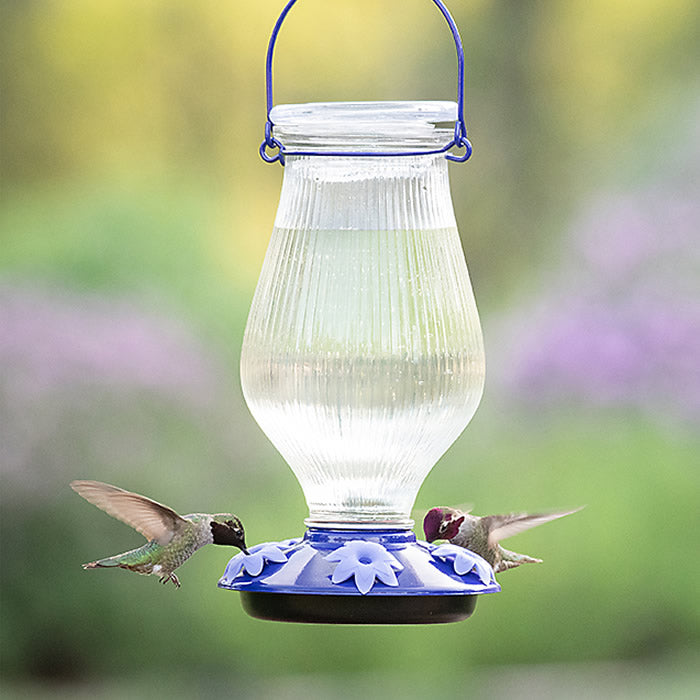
x: 102, y: 563
x: 509, y: 560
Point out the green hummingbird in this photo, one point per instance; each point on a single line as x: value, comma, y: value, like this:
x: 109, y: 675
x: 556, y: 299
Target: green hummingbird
x: 483, y: 534
x: 172, y: 538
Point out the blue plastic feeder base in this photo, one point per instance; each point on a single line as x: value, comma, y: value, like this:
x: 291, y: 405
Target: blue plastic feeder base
x: 359, y: 577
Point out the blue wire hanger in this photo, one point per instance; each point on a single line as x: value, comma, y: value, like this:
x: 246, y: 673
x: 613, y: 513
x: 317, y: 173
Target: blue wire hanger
x: 460, y: 139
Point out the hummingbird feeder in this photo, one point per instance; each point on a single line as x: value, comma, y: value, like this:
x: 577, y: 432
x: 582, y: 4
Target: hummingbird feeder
x: 362, y: 359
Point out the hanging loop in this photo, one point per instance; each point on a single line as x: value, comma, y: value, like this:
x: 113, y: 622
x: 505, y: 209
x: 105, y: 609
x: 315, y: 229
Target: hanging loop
x: 271, y: 142
x: 459, y: 141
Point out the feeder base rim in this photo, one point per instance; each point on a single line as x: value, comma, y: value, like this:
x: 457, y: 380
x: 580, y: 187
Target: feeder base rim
x: 358, y: 610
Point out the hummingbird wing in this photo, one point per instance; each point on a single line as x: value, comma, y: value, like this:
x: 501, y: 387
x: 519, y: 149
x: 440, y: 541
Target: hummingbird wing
x: 500, y: 527
x: 153, y: 520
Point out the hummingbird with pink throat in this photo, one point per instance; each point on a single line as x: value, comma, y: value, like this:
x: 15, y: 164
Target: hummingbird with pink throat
x: 482, y: 535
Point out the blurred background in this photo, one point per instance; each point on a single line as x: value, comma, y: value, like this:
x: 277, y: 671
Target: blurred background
x: 135, y: 216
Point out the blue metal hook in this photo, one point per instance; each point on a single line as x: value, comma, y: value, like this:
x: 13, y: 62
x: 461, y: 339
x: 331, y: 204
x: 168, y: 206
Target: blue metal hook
x: 460, y: 139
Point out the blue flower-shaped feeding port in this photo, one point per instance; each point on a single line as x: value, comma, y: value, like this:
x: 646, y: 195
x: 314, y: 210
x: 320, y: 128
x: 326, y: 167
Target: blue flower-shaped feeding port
x: 465, y: 561
x: 359, y: 576
x: 256, y: 560
x: 366, y: 561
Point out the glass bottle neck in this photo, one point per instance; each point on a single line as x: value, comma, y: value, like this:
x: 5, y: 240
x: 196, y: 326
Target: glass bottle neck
x: 366, y: 193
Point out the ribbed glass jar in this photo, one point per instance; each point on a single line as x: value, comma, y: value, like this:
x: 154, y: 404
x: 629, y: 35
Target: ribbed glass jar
x: 363, y: 359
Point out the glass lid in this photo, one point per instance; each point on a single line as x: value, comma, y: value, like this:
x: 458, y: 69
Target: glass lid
x: 334, y: 125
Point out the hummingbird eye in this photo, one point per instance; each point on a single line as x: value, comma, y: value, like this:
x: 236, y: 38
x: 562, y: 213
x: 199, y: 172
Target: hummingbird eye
x: 236, y: 527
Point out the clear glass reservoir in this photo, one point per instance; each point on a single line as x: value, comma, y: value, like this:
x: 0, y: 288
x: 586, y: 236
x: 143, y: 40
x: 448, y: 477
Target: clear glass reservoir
x: 363, y: 358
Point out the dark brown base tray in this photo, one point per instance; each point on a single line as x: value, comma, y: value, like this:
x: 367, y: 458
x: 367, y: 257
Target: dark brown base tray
x: 358, y: 610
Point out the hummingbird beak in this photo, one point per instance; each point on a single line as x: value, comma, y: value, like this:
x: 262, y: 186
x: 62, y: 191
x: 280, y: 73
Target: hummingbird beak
x: 242, y: 546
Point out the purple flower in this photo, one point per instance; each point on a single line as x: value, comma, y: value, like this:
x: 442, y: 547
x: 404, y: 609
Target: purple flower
x: 255, y: 562
x: 51, y: 339
x: 619, y: 323
x: 464, y: 560
x: 366, y: 561
x: 92, y: 380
